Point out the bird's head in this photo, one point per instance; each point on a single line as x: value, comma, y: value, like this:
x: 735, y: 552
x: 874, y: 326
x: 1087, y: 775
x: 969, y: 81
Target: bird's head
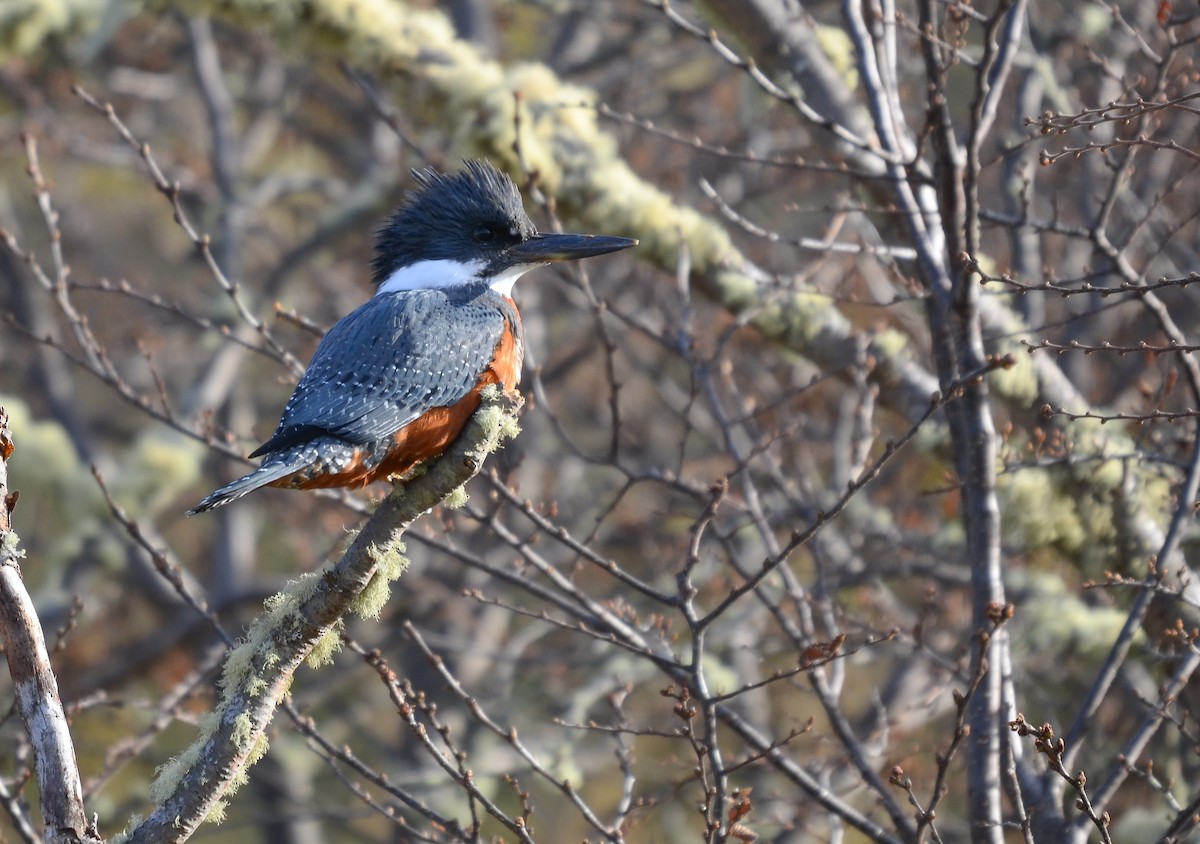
x: 466, y: 227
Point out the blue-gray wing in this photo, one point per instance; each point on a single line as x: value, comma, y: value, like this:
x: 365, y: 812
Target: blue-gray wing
x: 391, y: 360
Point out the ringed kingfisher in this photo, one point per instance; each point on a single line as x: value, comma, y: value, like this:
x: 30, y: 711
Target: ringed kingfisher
x: 395, y: 381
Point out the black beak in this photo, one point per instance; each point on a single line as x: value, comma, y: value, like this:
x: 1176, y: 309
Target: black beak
x: 543, y: 248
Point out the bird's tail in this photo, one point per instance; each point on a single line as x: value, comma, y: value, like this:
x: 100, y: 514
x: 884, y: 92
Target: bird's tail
x: 274, y: 468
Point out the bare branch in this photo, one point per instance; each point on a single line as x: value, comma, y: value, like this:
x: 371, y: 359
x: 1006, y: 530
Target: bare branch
x: 36, y: 686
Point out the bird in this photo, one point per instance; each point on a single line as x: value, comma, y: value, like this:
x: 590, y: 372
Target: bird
x: 394, y: 382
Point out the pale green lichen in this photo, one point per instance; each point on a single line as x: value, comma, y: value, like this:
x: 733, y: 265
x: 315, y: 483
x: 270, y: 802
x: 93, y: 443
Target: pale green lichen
x: 281, y: 613
x: 390, y: 563
x: 457, y: 499
x: 326, y: 647
x: 168, y: 775
x: 1054, y: 620
x: 737, y: 290
x: 1018, y: 383
x: 26, y: 25
x: 261, y: 746
x: 799, y: 319
x: 10, y: 546
x: 889, y: 342
x: 216, y: 813
x: 243, y: 730
x: 238, y: 666
x: 50, y: 472
x: 836, y: 45
x: 123, y: 836
x: 1071, y: 507
x: 242, y: 675
x: 1048, y: 518
x: 160, y: 466
x: 250, y: 742
x: 255, y: 686
x: 239, y: 778
x: 295, y: 593
x: 497, y: 423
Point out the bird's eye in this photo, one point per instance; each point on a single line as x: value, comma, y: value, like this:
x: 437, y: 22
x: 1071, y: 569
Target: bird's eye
x: 484, y: 234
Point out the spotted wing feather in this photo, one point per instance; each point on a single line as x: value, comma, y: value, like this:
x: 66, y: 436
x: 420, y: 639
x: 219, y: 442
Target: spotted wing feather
x: 391, y: 360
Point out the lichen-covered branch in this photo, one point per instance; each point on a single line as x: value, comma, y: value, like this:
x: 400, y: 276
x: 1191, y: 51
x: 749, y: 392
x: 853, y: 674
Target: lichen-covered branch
x: 302, y: 624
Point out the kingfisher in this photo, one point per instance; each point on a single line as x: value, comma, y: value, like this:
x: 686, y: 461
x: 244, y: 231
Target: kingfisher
x: 395, y: 382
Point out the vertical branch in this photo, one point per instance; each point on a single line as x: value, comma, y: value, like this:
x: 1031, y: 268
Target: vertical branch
x: 955, y: 333
x: 36, y: 686
x: 975, y: 435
